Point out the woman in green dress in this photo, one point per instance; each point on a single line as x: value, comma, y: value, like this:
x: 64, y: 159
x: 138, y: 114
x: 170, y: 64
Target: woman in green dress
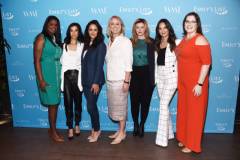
x: 47, y: 52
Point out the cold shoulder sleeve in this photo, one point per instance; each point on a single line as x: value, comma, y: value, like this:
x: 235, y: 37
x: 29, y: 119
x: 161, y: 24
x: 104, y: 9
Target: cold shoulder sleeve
x: 204, y: 53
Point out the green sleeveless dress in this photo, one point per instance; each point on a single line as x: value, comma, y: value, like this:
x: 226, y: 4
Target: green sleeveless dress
x: 51, y: 71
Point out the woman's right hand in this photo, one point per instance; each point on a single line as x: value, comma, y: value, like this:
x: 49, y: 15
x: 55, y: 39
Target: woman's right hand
x: 42, y: 85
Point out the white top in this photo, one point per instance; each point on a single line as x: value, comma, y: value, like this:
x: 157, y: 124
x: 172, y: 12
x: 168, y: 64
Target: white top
x: 70, y: 60
x: 119, y: 58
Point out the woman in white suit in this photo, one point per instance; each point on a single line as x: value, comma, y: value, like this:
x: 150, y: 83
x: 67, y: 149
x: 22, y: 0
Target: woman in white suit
x: 165, y: 77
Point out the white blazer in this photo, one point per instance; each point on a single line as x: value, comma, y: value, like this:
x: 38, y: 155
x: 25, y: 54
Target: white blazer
x: 170, y: 64
x: 119, y: 58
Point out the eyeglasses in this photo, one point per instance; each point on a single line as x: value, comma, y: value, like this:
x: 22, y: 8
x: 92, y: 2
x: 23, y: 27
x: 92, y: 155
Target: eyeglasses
x: 190, y: 22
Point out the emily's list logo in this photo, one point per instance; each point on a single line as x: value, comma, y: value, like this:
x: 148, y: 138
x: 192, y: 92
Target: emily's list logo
x: 230, y: 44
x: 141, y: 10
x: 14, y: 31
x: 221, y: 11
x: 13, y: 78
x: 225, y: 110
x: 25, y: 46
x: 227, y: 63
x: 20, y: 92
x: 7, y: 15
x: 216, y: 80
x: 66, y: 12
x: 221, y: 126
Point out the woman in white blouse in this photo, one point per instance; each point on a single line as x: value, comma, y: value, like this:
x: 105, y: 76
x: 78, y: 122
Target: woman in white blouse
x: 119, y: 59
x: 71, y: 77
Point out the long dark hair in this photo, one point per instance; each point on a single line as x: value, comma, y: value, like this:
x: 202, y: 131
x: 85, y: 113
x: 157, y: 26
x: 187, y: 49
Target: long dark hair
x: 57, y: 34
x: 198, y: 21
x: 67, y: 39
x: 99, y: 39
x: 171, y: 39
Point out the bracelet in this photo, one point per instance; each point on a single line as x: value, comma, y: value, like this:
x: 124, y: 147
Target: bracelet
x: 126, y: 82
x: 200, y: 84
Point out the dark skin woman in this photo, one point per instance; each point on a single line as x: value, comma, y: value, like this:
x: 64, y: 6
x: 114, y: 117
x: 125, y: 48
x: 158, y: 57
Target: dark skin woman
x: 47, y: 51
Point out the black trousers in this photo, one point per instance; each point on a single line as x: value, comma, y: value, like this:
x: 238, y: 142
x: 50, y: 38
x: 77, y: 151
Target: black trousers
x: 72, y: 94
x: 92, y: 106
x: 141, y: 91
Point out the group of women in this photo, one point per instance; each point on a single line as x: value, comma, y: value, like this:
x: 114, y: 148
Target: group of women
x: 133, y: 65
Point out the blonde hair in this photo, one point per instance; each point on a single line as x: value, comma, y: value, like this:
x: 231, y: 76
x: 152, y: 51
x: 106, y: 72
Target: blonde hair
x: 109, y: 33
x: 134, y: 38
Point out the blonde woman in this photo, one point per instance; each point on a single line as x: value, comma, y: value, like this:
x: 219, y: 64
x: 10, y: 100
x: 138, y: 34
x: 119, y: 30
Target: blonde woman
x: 142, y: 76
x: 119, y: 59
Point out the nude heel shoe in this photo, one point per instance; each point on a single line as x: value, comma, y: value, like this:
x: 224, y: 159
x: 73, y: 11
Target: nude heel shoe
x: 94, y: 138
x: 119, y: 139
x: 77, y: 130
x: 91, y: 135
x: 180, y: 144
x: 186, y: 150
x: 113, y: 136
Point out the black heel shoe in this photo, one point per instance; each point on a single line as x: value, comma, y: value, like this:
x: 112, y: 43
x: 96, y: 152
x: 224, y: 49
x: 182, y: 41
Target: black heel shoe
x: 70, y: 138
x: 141, y: 130
x: 135, y: 130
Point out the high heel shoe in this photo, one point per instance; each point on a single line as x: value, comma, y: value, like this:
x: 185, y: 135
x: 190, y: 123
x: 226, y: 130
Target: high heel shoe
x: 95, y: 137
x: 113, y: 136
x: 186, y: 150
x: 119, y: 139
x: 141, y: 130
x: 54, y: 136
x: 70, y: 134
x: 91, y: 135
x: 180, y: 144
x: 135, y: 130
x: 77, y: 130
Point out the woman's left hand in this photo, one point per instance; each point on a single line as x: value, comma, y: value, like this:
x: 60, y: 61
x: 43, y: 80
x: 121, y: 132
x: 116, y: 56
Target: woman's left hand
x: 95, y: 88
x: 125, y: 87
x: 197, y: 90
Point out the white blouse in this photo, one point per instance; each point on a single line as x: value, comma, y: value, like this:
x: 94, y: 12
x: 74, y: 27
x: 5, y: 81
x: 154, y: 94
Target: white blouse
x: 70, y: 60
x: 119, y: 58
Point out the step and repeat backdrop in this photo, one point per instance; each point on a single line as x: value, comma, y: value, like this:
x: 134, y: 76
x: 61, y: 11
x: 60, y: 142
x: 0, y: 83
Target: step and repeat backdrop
x: 23, y: 20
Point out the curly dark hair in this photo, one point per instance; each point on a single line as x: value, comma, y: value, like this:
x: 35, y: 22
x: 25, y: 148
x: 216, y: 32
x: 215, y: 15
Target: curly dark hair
x: 57, y: 35
x: 80, y: 38
x: 172, y: 36
x: 99, y: 39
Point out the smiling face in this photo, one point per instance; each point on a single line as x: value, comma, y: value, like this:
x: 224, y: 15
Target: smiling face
x: 163, y: 30
x: 52, y: 27
x: 93, y: 31
x: 190, y: 24
x: 74, y: 32
x: 115, y: 26
x: 140, y: 29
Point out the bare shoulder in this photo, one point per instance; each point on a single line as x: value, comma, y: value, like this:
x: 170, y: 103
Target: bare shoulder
x: 39, y: 39
x: 201, y: 40
x: 178, y: 41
